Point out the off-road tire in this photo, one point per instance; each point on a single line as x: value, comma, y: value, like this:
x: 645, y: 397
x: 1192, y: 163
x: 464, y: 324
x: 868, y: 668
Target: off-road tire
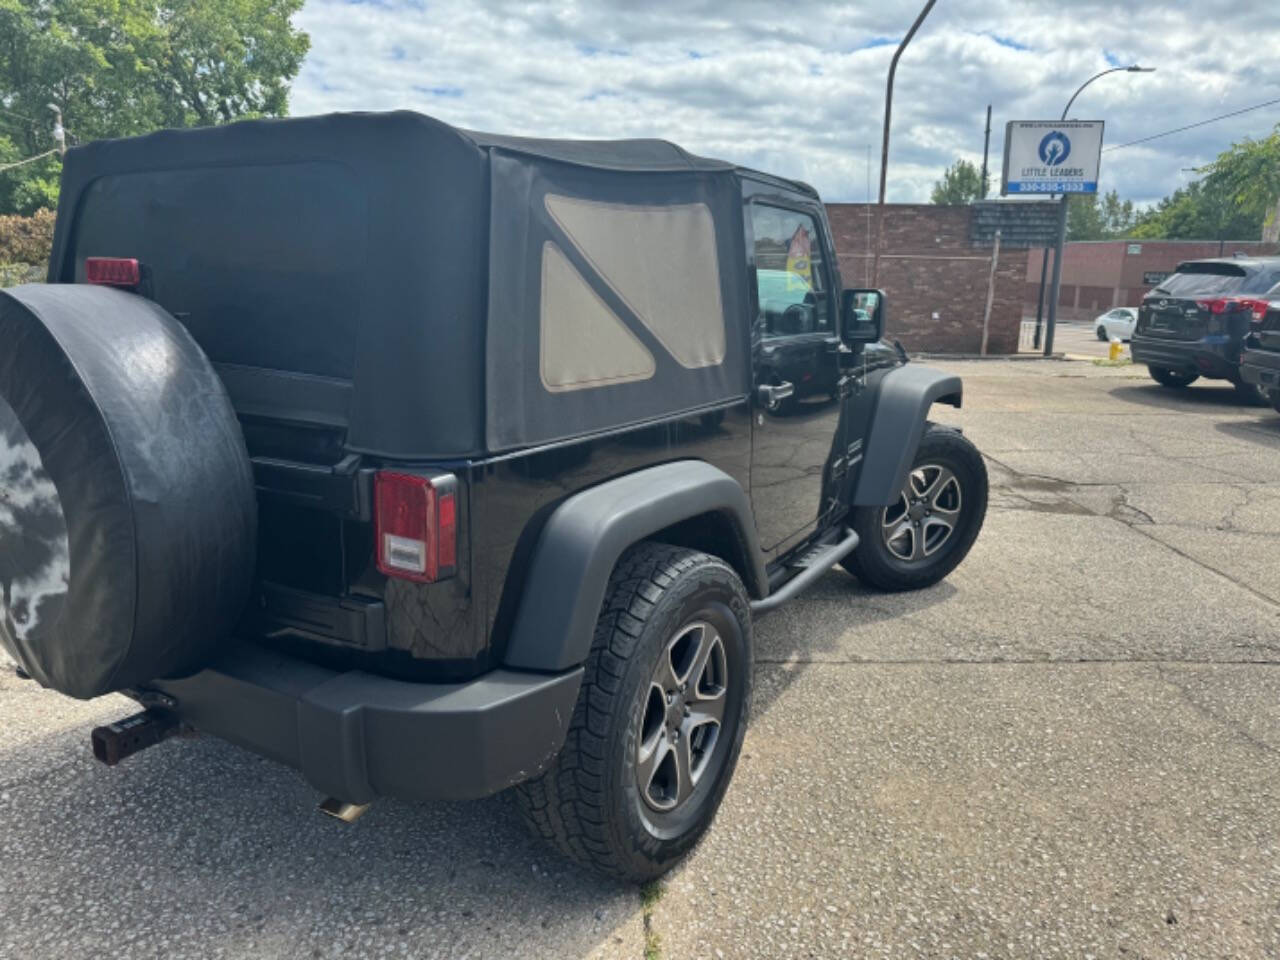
x: 875, y: 565
x: 1172, y: 379
x: 589, y: 803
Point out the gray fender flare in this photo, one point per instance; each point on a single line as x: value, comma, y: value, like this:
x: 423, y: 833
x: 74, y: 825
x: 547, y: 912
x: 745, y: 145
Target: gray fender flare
x: 582, y: 540
x: 897, y: 423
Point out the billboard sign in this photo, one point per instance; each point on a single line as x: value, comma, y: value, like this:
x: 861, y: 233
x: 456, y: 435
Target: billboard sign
x: 1051, y: 156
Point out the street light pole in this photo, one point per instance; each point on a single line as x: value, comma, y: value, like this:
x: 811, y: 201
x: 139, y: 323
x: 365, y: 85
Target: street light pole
x: 1062, y: 215
x: 884, y: 146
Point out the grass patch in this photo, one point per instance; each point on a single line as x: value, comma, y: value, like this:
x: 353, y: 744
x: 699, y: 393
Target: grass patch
x: 1107, y: 362
x: 650, y: 895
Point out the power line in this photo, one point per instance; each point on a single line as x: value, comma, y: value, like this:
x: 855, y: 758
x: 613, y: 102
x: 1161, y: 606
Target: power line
x: 38, y: 156
x: 1191, y: 126
x: 19, y: 116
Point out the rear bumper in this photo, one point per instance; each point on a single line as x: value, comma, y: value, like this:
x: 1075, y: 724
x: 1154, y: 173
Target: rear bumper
x: 356, y: 736
x: 1210, y: 356
x: 1262, y: 369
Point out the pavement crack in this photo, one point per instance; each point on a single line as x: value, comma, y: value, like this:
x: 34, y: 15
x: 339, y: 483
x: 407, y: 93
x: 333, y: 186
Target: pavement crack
x: 1270, y: 601
x: 650, y: 894
x: 39, y: 776
x: 1208, y: 713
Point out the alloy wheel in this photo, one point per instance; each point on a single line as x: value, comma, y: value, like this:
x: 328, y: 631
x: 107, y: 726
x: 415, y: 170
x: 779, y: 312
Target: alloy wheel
x: 681, y: 716
x: 925, y: 515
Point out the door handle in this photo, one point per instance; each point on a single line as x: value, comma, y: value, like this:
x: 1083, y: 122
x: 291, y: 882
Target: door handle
x: 773, y: 393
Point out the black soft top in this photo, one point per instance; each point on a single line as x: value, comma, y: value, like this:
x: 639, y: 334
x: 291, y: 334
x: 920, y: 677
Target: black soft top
x: 385, y: 273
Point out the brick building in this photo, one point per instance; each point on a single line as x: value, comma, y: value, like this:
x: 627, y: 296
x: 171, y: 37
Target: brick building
x: 934, y: 268
x: 1099, y: 275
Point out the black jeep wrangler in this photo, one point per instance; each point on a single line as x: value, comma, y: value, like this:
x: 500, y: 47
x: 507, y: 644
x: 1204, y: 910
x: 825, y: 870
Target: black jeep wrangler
x: 432, y: 463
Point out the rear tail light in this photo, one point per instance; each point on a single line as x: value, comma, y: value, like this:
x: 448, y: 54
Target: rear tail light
x: 112, y: 271
x: 1257, y: 307
x: 1232, y: 304
x: 416, y: 525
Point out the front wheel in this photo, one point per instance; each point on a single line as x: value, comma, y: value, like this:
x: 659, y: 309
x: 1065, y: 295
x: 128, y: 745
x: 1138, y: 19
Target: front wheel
x: 1250, y: 394
x: 659, y: 722
x: 1174, y: 379
x: 1102, y: 333
x: 923, y: 535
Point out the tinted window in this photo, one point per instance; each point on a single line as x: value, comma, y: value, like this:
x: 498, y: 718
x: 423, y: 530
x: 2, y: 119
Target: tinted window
x: 1218, y: 278
x: 262, y: 263
x: 791, y: 278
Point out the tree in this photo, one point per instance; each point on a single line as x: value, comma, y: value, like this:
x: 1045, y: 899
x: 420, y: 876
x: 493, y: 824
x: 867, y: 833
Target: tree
x: 1249, y: 174
x: 123, y: 67
x: 961, y: 183
x: 1202, y: 210
x: 1235, y: 198
x: 1091, y: 218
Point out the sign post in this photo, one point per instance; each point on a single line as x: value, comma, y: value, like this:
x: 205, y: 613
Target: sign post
x: 1052, y: 156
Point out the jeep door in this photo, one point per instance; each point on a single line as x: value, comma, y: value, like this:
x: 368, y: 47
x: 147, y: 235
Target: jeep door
x: 798, y: 384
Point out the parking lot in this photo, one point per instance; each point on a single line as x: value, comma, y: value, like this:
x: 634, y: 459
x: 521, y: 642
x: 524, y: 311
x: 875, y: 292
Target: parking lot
x: 1071, y: 747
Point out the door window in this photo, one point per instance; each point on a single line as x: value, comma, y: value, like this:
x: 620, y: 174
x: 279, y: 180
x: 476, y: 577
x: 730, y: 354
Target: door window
x: 791, y: 277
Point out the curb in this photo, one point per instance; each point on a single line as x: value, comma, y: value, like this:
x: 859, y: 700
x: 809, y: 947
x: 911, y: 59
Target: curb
x: 990, y: 356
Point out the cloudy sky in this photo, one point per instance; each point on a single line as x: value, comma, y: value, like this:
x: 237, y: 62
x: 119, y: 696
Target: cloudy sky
x: 797, y: 88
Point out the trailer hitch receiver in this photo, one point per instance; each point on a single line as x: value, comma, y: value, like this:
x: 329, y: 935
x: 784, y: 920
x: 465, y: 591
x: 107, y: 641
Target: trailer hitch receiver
x: 124, y: 738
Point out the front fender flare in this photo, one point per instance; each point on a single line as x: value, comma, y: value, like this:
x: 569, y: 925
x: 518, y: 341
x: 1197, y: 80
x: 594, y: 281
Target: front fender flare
x: 583, y: 539
x: 898, y: 418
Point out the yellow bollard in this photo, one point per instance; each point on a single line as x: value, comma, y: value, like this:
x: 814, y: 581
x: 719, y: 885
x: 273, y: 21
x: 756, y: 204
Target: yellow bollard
x: 1117, y: 349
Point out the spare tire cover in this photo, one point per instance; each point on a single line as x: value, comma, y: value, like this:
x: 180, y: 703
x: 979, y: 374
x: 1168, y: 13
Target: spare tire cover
x: 127, y: 508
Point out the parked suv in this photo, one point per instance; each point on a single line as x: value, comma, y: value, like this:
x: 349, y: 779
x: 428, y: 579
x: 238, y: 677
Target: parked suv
x: 1194, y: 323
x: 1260, y: 361
x: 433, y: 463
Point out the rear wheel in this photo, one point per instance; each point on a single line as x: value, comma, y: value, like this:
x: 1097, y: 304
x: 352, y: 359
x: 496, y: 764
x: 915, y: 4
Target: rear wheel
x: 1174, y: 379
x: 923, y: 535
x: 659, y: 723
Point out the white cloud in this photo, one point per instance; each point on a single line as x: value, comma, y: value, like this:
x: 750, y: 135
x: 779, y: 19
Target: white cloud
x: 798, y: 89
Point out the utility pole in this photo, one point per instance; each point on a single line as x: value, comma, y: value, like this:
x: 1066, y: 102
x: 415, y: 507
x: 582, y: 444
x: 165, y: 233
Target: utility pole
x: 986, y: 147
x: 59, y: 133
x: 884, y: 146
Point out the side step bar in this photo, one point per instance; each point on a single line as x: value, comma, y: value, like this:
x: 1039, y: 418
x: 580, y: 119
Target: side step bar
x: 810, y: 567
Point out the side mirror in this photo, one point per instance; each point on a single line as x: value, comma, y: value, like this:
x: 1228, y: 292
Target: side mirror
x: 862, y: 316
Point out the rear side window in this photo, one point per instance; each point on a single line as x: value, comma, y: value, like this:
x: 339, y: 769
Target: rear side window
x: 1223, y: 279
x: 263, y: 264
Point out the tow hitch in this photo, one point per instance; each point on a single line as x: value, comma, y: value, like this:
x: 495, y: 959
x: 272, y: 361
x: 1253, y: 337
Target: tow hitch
x: 124, y: 738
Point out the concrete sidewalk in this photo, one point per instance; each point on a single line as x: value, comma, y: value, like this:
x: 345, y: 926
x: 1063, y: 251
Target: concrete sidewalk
x: 1069, y: 748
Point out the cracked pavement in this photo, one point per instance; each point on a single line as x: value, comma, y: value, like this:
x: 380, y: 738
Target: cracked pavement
x: 1067, y: 749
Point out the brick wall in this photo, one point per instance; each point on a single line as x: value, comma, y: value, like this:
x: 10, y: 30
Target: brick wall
x: 934, y: 277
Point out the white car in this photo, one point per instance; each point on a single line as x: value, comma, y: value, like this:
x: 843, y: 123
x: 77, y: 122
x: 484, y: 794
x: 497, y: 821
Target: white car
x: 1117, y: 323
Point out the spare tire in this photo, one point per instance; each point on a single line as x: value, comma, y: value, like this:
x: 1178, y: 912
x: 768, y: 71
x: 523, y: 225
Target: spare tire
x: 127, y: 508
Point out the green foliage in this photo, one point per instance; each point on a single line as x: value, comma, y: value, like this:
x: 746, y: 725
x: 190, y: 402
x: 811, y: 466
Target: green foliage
x: 1233, y: 200
x: 1092, y: 218
x: 124, y: 67
x: 1202, y: 210
x: 26, y: 240
x: 961, y: 183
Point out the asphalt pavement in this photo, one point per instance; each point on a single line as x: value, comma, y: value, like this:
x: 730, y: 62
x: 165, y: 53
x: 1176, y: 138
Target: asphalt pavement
x: 1069, y: 748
